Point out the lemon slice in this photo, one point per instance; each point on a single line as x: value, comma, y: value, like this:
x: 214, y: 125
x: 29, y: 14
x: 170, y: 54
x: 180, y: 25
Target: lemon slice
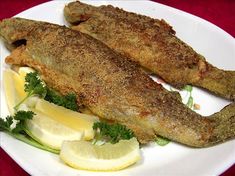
x: 13, y: 88
x: 69, y: 118
x: 107, y: 157
x: 50, y: 132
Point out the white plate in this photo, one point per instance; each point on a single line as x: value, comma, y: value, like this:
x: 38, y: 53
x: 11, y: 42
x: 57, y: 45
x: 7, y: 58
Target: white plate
x: 174, y: 159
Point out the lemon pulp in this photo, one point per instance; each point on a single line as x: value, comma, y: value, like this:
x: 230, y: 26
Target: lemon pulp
x: 49, y: 132
x: 107, y: 157
x: 67, y: 117
x: 14, y: 89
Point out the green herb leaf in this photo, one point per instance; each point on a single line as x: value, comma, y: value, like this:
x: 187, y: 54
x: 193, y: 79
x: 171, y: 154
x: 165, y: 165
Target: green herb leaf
x: 190, y: 102
x: 162, y: 141
x: 21, y: 116
x: 188, y: 88
x: 24, y: 115
x: 5, y: 125
x: 68, y: 101
x: 71, y: 101
x: 33, y: 86
x: 19, y: 128
x: 112, y: 132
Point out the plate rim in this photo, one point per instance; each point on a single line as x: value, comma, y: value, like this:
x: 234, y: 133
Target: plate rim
x: 31, y: 170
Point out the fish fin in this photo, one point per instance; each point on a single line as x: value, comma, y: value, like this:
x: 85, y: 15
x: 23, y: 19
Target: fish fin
x: 220, y: 82
x: 15, y: 58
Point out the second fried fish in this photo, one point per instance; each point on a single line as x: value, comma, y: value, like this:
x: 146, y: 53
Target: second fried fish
x: 151, y: 43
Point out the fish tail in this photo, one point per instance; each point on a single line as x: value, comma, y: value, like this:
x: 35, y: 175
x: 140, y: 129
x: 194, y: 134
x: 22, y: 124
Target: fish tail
x: 205, y: 131
x: 224, y: 124
x: 220, y: 82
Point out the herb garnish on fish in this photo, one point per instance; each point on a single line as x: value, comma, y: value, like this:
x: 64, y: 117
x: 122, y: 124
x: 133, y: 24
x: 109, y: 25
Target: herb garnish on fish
x: 68, y: 101
x: 111, y: 132
x: 35, y: 86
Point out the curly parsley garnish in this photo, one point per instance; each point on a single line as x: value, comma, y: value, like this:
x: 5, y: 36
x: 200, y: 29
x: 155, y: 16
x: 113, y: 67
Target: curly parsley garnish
x: 20, y: 116
x: 68, y: 101
x: 35, y: 86
x: 111, y: 132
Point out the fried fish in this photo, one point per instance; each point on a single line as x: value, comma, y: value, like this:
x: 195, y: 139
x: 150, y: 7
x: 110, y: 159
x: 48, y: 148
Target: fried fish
x: 151, y: 43
x: 110, y: 85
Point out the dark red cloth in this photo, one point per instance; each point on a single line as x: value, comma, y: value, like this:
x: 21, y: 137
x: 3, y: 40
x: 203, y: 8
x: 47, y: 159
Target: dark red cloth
x: 220, y: 12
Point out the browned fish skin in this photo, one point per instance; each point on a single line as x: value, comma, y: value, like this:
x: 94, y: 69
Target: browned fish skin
x: 110, y: 85
x: 153, y: 44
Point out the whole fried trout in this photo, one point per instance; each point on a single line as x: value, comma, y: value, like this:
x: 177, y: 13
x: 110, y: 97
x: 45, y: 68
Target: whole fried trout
x: 110, y: 85
x: 151, y: 43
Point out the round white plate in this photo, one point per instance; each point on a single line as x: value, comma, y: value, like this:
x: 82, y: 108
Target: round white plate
x: 174, y: 159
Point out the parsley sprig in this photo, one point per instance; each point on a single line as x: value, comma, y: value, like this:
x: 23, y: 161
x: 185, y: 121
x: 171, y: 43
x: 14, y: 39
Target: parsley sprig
x: 68, y: 101
x: 111, y: 132
x: 20, y: 117
x: 35, y: 86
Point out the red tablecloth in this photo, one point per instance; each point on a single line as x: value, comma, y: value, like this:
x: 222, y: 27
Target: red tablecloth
x: 220, y: 12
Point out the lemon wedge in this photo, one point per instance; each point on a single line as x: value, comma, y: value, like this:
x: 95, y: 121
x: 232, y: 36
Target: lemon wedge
x: 13, y: 88
x: 13, y: 83
x: 107, y: 157
x: 67, y: 117
x: 50, y: 132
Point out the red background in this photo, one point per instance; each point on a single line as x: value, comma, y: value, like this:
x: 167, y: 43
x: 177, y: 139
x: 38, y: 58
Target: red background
x: 219, y: 12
